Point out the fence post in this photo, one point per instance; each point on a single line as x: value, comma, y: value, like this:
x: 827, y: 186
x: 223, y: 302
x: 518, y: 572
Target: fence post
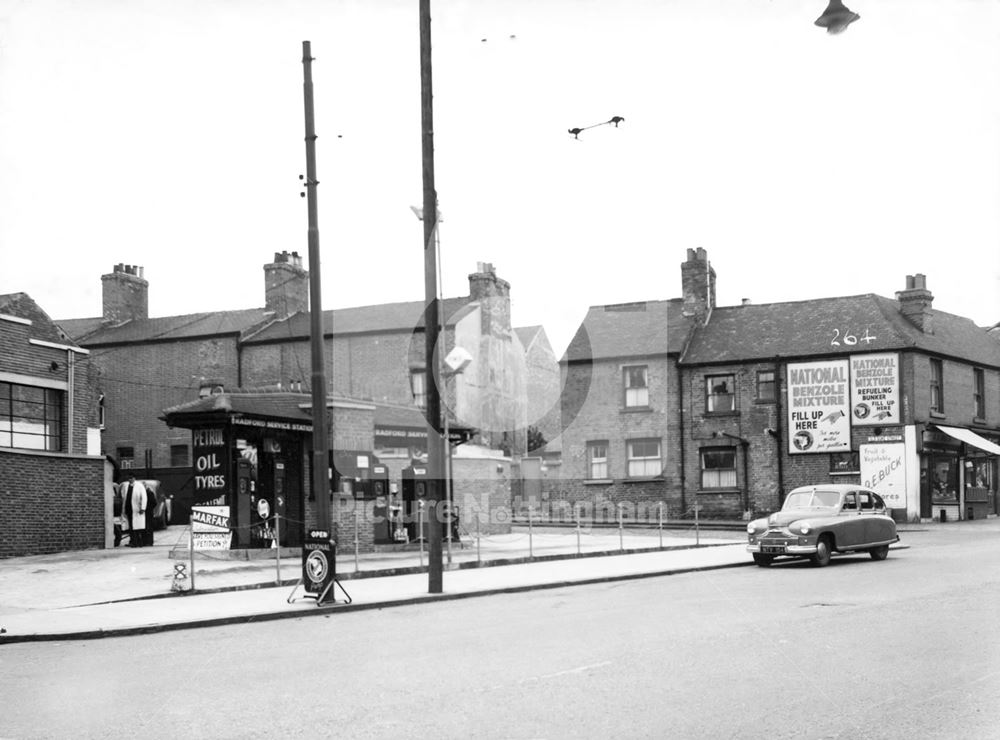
x: 621, y: 531
x: 420, y: 529
x: 576, y: 514
x: 479, y: 557
x: 357, y: 565
x: 191, y: 554
x: 659, y: 517
x: 277, y: 552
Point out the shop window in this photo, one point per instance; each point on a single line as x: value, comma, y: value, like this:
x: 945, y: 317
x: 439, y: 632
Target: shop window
x: 418, y: 386
x: 718, y: 468
x: 636, y: 380
x: 979, y: 391
x: 126, y: 458
x: 944, y: 480
x: 720, y: 395
x: 766, y: 389
x: 179, y: 457
x: 31, y: 417
x: 937, y: 386
x: 845, y: 463
x: 597, y: 460
x: 644, y: 458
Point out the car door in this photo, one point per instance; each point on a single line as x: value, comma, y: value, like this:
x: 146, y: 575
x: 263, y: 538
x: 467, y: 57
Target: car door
x: 874, y: 512
x: 851, y: 530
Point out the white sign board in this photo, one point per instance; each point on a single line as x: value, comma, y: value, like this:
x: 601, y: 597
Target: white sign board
x: 883, y: 470
x: 212, y: 540
x: 875, y: 389
x: 819, y: 417
x: 210, y: 519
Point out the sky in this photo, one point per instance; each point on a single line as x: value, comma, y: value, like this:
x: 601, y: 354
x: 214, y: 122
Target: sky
x: 170, y: 135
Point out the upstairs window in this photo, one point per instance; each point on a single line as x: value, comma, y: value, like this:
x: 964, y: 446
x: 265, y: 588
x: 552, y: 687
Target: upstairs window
x: 31, y: 417
x: 937, y: 386
x: 720, y: 393
x: 979, y: 391
x: 718, y: 468
x: 418, y: 386
x: 644, y: 458
x: 179, y: 456
x: 597, y: 460
x: 636, y: 380
x: 126, y: 458
x: 766, y: 390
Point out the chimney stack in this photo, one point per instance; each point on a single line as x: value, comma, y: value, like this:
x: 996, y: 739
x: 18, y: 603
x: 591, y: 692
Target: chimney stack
x: 286, y: 285
x: 915, y: 303
x: 493, y: 294
x: 125, y: 294
x: 698, y: 279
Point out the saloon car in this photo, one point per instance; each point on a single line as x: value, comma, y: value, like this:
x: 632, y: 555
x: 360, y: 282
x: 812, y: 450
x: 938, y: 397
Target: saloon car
x: 817, y: 521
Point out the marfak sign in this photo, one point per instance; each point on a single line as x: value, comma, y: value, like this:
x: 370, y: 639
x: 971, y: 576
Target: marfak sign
x: 318, y: 562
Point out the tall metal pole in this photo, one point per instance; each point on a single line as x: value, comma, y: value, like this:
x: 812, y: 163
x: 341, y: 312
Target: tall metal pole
x: 320, y: 451
x: 435, y: 443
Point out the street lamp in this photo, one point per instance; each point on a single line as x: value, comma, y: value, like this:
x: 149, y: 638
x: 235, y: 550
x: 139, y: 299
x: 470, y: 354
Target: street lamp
x: 836, y: 17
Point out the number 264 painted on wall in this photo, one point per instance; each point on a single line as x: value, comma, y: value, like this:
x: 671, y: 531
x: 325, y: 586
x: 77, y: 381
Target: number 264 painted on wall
x: 850, y: 339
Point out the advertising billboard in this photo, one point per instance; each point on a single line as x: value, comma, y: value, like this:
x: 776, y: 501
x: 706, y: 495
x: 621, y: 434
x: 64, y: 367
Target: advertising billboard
x: 819, y: 415
x: 875, y: 389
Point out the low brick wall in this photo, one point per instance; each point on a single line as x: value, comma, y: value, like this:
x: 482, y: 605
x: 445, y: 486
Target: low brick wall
x: 50, y: 503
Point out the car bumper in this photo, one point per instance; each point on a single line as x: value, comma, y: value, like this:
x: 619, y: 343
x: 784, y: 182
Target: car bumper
x: 785, y: 549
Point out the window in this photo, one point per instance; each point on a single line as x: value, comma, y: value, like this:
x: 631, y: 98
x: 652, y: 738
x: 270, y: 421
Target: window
x: 101, y: 416
x: 719, y: 394
x: 418, y: 385
x: 937, y: 387
x: 644, y: 458
x: 718, y: 467
x: 126, y: 458
x: 31, y: 417
x: 179, y: 456
x: 851, y: 502
x: 979, y: 391
x: 597, y: 460
x: 636, y: 386
x: 765, y: 386
x: 845, y: 463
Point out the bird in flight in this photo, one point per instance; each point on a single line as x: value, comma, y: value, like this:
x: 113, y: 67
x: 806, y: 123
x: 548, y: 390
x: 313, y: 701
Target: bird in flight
x: 614, y: 120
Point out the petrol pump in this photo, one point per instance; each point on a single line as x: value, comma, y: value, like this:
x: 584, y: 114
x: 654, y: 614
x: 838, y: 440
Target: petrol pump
x: 386, y: 509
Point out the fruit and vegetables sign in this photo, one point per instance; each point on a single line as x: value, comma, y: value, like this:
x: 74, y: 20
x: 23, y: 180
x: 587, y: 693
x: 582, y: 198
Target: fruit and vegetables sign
x: 819, y: 414
x: 875, y: 389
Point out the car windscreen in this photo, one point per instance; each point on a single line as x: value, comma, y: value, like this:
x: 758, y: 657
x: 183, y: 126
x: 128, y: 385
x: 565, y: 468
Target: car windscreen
x: 812, y: 499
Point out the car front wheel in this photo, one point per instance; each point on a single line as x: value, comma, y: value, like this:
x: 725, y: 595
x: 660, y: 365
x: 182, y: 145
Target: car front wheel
x: 762, y: 561
x: 823, y: 553
x: 879, y: 553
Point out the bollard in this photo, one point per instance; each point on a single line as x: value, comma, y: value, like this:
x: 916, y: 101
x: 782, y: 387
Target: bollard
x: 479, y: 557
x: 180, y: 575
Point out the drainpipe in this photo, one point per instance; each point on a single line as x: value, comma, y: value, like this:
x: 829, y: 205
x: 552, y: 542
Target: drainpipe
x: 71, y: 398
x: 777, y: 431
x: 680, y: 435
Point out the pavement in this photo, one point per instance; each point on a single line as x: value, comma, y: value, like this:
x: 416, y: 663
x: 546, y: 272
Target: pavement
x: 89, y: 594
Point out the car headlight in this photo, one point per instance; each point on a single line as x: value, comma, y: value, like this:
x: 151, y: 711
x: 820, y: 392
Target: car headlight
x: 801, y: 527
x: 757, y: 526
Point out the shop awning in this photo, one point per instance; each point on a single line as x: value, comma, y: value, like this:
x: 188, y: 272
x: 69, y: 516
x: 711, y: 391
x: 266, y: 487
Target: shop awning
x: 970, y: 438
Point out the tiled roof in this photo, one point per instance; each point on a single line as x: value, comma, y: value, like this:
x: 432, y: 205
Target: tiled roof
x: 362, y: 319
x: 42, y: 327
x: 629, y: 330
x: 281, y: 405
x: 832, y: 326
x: 526, y: 334
x: 167, y: 327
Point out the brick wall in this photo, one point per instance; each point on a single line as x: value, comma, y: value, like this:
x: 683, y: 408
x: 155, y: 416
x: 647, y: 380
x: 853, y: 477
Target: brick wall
x: 50, y: 503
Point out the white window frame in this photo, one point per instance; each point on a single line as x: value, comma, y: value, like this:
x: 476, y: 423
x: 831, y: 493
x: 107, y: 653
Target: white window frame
x: 644, y: 466
x: 636, y: 396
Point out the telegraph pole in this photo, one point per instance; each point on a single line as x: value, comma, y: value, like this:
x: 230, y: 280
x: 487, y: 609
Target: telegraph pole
x: 320, y: 451
x: 435, y: 443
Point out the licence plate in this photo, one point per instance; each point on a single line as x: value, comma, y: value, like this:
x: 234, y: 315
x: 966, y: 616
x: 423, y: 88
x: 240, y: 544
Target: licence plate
x: 773, y: 549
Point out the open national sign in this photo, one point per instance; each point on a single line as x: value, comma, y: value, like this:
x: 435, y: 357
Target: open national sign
x: 210, y: 519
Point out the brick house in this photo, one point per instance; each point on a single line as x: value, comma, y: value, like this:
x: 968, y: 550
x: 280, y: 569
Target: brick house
x: 54, y: 483
x: 894, y: 394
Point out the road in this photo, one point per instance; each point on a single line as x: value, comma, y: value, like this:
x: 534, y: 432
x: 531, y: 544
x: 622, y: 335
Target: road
x: 906, y: 648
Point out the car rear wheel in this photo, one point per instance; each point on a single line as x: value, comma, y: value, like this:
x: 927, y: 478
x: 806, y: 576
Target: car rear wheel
x: 762, y: 560
x: 879, y: 553
x: 823, y: 552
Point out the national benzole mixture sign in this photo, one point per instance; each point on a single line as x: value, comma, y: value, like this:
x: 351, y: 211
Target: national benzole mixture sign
x: 875, y: 389
x: 819, y: 414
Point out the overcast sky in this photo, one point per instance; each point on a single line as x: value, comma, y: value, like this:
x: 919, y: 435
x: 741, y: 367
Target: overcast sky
x: 170, y: 135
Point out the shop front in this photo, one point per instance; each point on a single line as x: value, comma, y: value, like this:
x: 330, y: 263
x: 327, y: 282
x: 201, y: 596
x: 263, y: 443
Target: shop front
x: 248, y: 469
x: 958, y: 474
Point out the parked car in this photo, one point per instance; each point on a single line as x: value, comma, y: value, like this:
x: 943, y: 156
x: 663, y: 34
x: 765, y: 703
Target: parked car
x: 162, y: 511
x: 818, y: 521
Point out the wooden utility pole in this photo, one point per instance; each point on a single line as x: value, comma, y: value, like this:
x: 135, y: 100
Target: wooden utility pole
x: 435, y: 442
x: 321, y: 446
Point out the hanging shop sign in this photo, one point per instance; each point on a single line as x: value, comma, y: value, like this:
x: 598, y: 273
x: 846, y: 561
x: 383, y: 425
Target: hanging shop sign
x: 819, y: 416
x: 875, y: 389
x: 288, y: 426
